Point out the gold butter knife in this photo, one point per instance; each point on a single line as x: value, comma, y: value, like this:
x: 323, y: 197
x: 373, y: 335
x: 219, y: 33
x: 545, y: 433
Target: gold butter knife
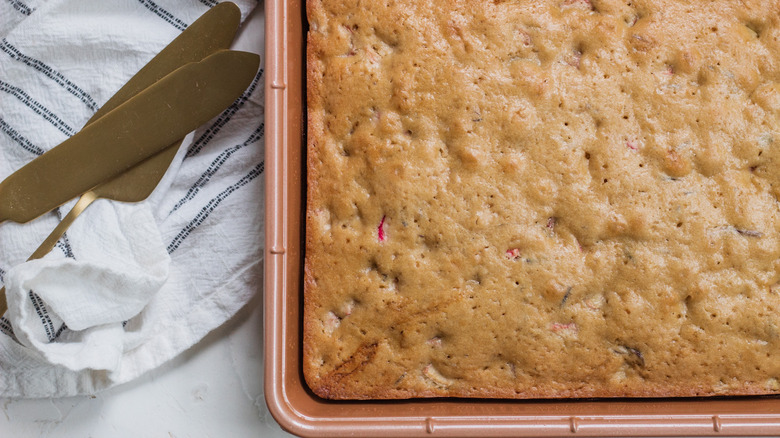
x: 134, y: 131
x: 141, y: 127
x: 214, y: 30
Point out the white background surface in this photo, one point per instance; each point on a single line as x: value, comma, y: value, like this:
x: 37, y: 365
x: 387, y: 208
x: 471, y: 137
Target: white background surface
x: 213, y: 390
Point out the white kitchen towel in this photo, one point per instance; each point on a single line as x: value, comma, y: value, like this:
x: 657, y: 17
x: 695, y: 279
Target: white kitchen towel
x: 129, y: 286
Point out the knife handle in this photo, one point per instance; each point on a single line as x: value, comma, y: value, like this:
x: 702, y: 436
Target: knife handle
x: 48, y: 244
x: 85, y: 201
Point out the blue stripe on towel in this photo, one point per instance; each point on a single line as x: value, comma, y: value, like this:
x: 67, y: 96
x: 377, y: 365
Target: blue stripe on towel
x: 224, y: 118
x: 50, y: 73
x: 165, y: 15
x: 7, y: 328
x: 21, y: 7
x: 64, y: 245
x: 43, y: 314
x: 37, y: 107
x: 62, y: 328
x: 19, y: 139
x: 216, y: 165
x: 212, y: 205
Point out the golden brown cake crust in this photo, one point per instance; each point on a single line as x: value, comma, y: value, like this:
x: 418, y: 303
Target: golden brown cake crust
x: 548, y: 198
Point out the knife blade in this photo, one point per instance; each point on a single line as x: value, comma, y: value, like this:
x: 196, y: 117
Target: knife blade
x: 135, y: 130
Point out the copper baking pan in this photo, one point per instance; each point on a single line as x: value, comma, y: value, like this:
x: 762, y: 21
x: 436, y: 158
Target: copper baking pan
x: 301, y: 412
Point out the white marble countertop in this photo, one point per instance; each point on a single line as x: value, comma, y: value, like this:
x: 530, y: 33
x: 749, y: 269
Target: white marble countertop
x: 215, y: 389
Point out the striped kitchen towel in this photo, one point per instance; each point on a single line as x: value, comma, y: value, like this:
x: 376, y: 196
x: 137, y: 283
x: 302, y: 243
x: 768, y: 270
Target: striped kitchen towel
x: 129, y: 286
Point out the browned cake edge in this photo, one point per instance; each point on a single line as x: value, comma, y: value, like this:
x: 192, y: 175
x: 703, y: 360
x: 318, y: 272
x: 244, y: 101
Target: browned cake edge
x: 334, y: 386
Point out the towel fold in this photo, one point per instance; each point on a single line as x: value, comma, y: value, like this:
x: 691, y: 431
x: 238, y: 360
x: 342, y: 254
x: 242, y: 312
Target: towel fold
x: 129, y: 286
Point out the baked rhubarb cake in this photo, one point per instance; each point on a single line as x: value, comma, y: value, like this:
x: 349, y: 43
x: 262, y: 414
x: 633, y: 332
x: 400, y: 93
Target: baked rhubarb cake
x: 542, y: 199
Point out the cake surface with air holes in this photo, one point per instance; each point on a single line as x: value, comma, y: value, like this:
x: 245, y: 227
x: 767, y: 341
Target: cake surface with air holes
x: 542, y: 199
